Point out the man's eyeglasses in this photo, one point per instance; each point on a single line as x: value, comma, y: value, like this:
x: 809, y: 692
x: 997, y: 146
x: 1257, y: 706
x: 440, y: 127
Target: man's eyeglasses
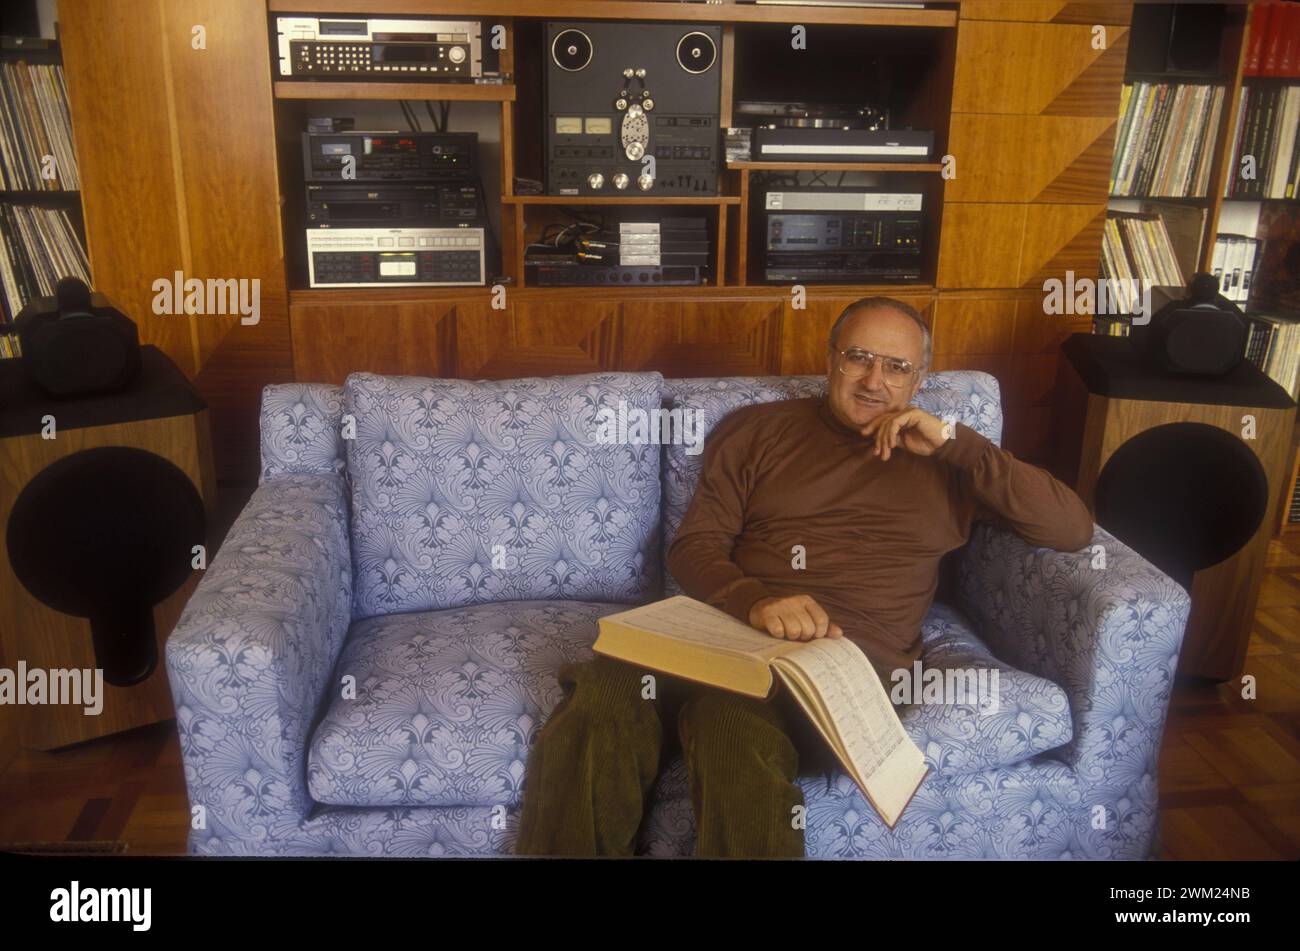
x: 856, y: 363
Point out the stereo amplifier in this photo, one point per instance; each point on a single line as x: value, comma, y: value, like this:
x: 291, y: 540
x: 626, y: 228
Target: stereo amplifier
x: 387, y: 49
x: 395, y: 257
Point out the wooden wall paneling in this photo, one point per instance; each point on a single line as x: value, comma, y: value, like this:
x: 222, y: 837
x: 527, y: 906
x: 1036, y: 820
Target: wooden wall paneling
x: 805, y: 333
x: 535, y: 337
x: 980, y: 244
x: 1060, y: 239
x: 685, y: 338
x: 728, y: 12
x: 973, y: 326
x: 1052, y: 159
x: 183, y: 178
x: 223, y: 116
x: 119, y: 103
x: 1048, y: 11
x: 409, y: 338
x: 1032, y: 69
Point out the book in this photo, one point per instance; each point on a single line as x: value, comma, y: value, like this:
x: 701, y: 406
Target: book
x: 831, y: 679
x: 1259, y: 23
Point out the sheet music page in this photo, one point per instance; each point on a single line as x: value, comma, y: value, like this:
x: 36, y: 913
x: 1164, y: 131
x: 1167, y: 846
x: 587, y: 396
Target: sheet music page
x: 686, y: 619
x: 874, y: 740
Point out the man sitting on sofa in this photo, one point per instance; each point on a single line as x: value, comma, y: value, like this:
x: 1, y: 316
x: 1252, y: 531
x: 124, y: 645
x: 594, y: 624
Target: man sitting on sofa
x: 876, y: 492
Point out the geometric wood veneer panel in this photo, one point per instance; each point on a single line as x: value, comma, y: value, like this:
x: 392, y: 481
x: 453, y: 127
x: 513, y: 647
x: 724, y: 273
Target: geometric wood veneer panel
x: 705, y: 338
x: 403, y: 338
x: 979, y: 244
x: 991, y: 245
x: 1028, y: 68
x: 1060, y: 238
x: 1030, y: 158
x: 536, y: 338
x: 1047, y: 11
x: 973, y: 326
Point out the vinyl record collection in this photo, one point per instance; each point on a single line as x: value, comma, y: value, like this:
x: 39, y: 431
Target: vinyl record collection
x: 1137, y: 247
x: 40, y: 246
x: 37, y: 133
x: 1267, y: 122
x: 1273, y: 345
x: 1165, y: 143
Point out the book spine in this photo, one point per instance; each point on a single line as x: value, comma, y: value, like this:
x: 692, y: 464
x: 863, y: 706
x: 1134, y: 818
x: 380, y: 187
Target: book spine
x: 1248, y: 146
x: 1234, y: 158
x: 1273, y: 41
x: 1137, y: 145
x: 1281, y: 164
x: 1153, y: 146
x: 1208, y: 140
x: 1259, y: 17
x: 1121, y: 140
x: 1290, y: 28
x: 1293, y: 177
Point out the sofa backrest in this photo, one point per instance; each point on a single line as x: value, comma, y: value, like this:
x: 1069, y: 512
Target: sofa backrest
x: 467, y: 492
x: 301, y: 430
x: 964, y: 396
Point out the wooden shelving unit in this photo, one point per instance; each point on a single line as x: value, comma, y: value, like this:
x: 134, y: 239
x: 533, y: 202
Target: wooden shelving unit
x: 1002, y: 84
x: 941, y: 16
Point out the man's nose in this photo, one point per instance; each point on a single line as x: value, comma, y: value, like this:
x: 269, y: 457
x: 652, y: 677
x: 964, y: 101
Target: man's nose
x: 874, y: 378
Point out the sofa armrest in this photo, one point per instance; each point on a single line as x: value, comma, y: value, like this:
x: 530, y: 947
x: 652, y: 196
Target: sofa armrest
x: 1108, y: 635
x: 250, y: 658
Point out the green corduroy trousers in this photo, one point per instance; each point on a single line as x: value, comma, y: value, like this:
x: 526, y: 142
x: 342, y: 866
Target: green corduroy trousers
x: 596, y: 759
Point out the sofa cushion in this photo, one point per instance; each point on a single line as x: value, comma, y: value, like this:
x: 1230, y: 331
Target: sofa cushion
x: 300, y: 430
x: 467, y: 492
x: 966, y: 396
x: 447, y: 704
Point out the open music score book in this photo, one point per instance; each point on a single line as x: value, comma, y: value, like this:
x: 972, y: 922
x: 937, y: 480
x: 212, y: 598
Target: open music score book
x: 830, y: 677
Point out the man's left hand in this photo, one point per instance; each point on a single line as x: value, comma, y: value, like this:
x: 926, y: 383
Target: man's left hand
x: 913, y: 429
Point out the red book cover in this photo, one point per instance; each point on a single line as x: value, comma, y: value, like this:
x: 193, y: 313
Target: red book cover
x: 1273, y: 41
x: 1290, y: 30
x: 1259, y: 19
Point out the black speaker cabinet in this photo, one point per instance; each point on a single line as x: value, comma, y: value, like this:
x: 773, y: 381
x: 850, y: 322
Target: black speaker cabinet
x: 1184, y: 471
x: 102, y: 500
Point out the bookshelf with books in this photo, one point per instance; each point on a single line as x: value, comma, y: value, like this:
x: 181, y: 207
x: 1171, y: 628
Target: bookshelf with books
x: 1206, y: 163
x: 42, y: 233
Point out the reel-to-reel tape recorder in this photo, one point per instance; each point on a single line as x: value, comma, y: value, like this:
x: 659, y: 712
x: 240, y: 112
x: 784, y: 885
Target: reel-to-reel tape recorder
x: 632, y: 108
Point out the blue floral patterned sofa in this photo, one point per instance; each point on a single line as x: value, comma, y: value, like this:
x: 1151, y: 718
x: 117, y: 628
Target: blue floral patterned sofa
x: 375, y: 646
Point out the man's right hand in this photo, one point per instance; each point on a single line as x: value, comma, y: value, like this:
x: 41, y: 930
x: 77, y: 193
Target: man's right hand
x: 796, y: 618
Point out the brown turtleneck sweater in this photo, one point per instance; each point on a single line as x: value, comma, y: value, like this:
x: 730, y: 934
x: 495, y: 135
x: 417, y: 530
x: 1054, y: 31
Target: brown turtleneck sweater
x: 777, y: 475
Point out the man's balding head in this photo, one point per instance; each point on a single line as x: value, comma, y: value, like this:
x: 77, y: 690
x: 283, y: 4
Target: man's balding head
x: 888, y: 328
